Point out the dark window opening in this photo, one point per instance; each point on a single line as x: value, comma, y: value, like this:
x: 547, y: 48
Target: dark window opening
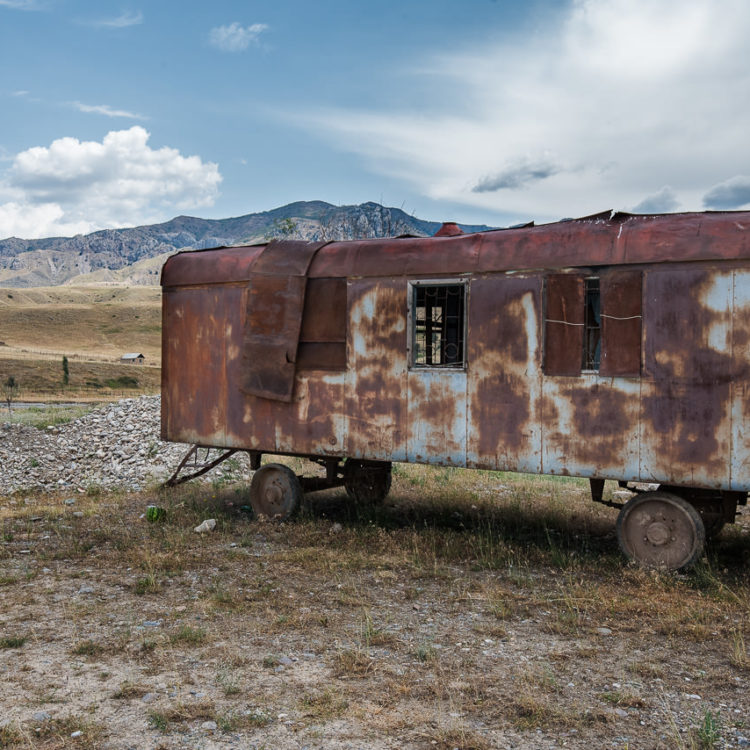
x: 592, y: 335
x: 438, y: 325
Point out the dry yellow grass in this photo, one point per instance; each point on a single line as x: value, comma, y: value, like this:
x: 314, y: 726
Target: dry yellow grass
x: 96, y: 322
x: 92, y: 327
x: 373, y: 626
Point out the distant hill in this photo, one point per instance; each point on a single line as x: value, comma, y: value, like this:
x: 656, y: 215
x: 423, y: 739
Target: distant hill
x: 134, y: 256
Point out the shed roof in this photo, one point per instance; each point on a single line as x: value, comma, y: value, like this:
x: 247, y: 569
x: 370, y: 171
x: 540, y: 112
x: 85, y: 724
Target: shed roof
x: 602, y: 239
x: 132, y: 355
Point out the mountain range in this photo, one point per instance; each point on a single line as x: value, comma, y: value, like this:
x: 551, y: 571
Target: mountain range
x: 134, y: 256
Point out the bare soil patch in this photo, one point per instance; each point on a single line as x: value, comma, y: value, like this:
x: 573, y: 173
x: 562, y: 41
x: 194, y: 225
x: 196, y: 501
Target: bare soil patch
x: 471, y: 610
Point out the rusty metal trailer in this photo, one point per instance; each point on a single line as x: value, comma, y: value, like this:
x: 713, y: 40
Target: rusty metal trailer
x: 615, y: 346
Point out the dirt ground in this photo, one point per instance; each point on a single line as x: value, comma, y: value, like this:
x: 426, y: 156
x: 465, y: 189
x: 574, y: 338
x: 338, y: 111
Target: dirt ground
x: 472, y: 610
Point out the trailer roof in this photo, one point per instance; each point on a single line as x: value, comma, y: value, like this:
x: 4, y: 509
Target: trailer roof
x: 609, y: 238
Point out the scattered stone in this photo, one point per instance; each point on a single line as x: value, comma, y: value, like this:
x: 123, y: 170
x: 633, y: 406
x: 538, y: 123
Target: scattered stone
x: 209, y: 725
x: 69, y: 501
x: 77, y: 733
x: 41, y: 716
x: 85, y: 589
x: 208, y: 525
x: 337, y: 528
x: 149, y: 698
x: 604, y: 631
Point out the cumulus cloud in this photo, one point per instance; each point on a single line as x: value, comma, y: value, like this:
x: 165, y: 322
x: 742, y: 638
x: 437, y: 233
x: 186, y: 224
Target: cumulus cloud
x: 125, y: 19
x: 74, y: 186
x: 658, y: 203
x: 732, y: 193
x: 624, y: 93
x: 105, y: 109
x: 235, y: 37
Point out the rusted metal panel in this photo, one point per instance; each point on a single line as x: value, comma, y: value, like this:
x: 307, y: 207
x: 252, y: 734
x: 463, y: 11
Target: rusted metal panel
x: 323, y: 336
x: 563, y: 324
x: 740, y: 465
x: 685, y: 433
x: 687, y: 313
x: 196, y: 355
x: 505, y: 374
x: 590, y: 426
x: 686, y: 411
x: 313, y: 422
x: 436, y: 420
x: 376, y: 403
x: 275, y: 303
x: 622, y: 305
x: 216, y: 266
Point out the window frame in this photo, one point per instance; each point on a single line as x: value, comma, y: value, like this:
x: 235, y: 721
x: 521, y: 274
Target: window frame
x: 411, y: 322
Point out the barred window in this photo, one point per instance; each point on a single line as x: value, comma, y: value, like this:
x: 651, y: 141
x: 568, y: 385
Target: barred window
x: 438, y: 325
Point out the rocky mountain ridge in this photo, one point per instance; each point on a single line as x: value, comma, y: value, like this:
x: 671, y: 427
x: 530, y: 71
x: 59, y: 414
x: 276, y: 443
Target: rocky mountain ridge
x: 135, y: 255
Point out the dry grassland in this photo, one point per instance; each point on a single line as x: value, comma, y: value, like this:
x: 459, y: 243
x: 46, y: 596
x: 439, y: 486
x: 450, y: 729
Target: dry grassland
x: 97, y: 322
x: 92, y: 327
x: 472, y: 610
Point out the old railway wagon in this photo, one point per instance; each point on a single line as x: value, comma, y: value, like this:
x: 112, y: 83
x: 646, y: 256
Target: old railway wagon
x: 614, y: 346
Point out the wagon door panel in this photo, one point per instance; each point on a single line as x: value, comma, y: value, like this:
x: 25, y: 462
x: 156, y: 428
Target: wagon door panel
x: 505, y: 379
x: 201, y: 321
x: 376, y: 406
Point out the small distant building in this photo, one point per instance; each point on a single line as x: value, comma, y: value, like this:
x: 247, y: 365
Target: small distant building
x: 132, y: 358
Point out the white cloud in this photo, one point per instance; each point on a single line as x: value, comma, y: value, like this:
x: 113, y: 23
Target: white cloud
x: 234, y: 37
x: 105, y: 109
x: 125, y: 19
x: 608, y: 101
x: 76, y: 186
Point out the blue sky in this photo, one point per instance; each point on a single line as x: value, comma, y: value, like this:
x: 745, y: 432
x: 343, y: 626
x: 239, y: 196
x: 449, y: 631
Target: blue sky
x: 118, y: 114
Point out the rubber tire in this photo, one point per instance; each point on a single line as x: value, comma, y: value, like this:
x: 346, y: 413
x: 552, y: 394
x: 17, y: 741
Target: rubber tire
x: 648, y: 518
x: 275, y: 492
x: 367, y: 482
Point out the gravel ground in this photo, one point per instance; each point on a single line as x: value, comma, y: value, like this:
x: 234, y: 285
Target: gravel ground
x: 117, y: 445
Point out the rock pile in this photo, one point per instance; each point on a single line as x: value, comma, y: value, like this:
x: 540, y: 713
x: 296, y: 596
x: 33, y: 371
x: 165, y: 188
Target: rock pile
x: 117, y: 445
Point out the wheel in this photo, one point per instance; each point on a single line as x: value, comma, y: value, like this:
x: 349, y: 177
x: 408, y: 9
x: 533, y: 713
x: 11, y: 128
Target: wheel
x: 275, y: 492
x: 367, y: 482
x: 660, y: 530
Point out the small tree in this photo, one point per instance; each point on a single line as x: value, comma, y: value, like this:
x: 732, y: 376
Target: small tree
x: 66, y: 371
x: 10, y: 391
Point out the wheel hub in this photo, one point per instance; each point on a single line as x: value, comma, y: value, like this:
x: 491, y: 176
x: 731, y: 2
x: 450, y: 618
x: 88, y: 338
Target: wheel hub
x: 658, y: 533
x: 273, y: 494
